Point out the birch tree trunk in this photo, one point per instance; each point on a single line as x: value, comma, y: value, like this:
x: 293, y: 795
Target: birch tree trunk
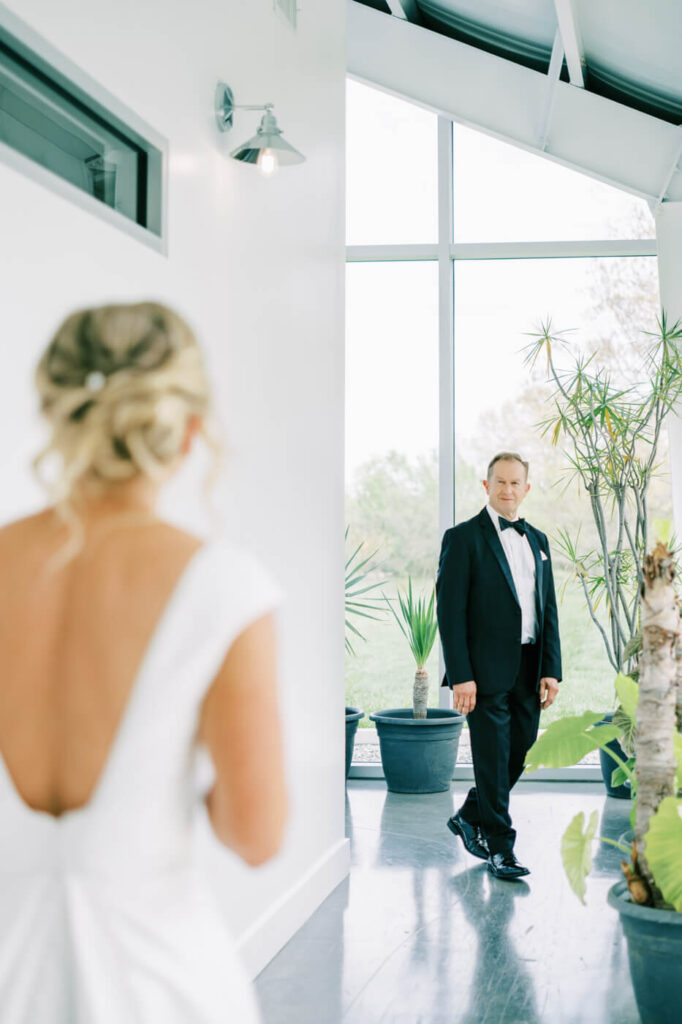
x: 678, y: 698
x: 654, y: 749
x: 420, y: 693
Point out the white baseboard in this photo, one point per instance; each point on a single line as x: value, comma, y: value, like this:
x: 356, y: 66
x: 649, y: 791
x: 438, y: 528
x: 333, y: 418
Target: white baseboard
x: 266, y: 936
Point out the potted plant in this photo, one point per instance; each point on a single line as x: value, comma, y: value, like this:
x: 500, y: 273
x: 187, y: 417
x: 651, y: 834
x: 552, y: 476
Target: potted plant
x: 613, y: 436
x: 358, y: 605
x: 418, y: 744
x: 649, y: 900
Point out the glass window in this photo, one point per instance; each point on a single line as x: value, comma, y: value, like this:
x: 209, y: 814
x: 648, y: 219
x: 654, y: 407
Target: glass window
x: 391, y: 461
x: 499, y: 402
x: 53, y: 123
x: 505, y: 194
x: 391, y: 181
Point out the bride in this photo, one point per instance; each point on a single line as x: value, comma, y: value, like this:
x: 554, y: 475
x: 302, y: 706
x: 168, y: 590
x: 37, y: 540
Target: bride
x: 128, y: 648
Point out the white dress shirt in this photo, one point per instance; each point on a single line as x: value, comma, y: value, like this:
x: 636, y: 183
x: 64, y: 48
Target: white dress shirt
x: 522, y: 565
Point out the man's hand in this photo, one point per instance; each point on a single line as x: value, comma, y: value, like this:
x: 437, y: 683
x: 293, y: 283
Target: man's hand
x: 549, y: 688
x: 464, y: 697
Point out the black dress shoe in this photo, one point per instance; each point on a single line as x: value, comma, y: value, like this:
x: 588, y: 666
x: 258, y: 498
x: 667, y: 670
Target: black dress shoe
x: 471, y: 835
x: 505, y: 865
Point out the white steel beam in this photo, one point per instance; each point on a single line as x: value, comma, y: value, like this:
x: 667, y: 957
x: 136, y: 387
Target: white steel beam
x: 446, y: 352
x: 570, y: 35
x: 669, y: 234
x: 673, y: 170
x: 392, y: 253
x: 588, y: 133
x: 553, y: 73
x: 405, y: 9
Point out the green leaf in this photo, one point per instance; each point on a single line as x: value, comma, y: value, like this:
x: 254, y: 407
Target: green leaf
x: 568, y: 740
x: 576, y: 854
x: 417, y: 622
x: 663, y: 846
x: 628, y: 694
x: 619, y: 776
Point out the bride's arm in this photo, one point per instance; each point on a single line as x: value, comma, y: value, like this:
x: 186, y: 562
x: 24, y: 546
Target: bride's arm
x: 240, y: 726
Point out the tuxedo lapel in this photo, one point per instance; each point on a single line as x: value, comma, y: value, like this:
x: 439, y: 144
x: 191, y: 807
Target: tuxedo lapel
x: 490, y: 534
x: 535, y: 548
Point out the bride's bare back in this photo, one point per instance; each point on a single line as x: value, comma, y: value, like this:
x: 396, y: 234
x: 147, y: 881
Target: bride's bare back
x: 71, y: 643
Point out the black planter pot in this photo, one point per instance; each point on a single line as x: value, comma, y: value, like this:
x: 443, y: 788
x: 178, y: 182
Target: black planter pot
x: 418, y: 755
x: 353, y: 716
x: 654, y: 940
x: 608, y: 765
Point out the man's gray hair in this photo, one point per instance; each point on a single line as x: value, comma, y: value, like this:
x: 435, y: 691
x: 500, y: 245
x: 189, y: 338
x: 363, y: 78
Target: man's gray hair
x: 506, y: 457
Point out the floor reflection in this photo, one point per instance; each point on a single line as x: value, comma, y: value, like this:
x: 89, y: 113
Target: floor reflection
x: 508, y: 992
x: 422, y: 934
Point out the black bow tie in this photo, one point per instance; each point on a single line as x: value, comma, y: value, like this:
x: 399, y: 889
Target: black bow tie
x: 519, y: 525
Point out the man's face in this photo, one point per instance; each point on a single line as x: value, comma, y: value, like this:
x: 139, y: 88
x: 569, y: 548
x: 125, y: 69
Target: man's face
x: 507, y: 487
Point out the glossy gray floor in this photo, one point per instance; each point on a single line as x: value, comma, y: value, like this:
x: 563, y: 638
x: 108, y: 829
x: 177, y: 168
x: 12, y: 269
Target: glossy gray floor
x: 421, y: 933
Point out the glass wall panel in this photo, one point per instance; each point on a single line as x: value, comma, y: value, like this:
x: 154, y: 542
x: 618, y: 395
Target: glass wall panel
x: 391, y: 461
x: 504, y: 194
x: 391, y: 169
x: 499, y: 402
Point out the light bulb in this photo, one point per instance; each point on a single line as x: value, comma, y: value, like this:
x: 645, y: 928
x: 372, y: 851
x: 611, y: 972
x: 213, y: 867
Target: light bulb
x: 267, y: 162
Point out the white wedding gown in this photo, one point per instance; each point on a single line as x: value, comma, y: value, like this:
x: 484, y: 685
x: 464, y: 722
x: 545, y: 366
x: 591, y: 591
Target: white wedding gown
x: 103, y: 916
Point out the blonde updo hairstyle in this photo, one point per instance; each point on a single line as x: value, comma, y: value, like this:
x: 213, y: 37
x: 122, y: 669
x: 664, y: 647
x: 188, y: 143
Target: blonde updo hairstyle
x: 119, y: 385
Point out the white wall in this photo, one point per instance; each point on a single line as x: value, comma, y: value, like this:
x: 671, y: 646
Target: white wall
x: 257, y: 267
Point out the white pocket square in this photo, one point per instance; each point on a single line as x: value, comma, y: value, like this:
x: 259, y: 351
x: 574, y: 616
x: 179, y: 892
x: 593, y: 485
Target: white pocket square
x: 543, y: 556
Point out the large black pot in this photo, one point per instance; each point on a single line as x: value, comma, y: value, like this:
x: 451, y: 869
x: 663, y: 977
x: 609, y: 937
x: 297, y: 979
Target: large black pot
x: 608, y: 765
x: 353, y: 716
x: 418, y: 755
x: 654, y: 940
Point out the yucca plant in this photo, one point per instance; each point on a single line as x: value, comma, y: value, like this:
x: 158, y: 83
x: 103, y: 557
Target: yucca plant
x: 611, y: 436
x: 418, y: 624
x: 358, y: 605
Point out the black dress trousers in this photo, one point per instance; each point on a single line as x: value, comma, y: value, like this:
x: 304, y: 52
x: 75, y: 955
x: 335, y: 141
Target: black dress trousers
x: 502, y: 728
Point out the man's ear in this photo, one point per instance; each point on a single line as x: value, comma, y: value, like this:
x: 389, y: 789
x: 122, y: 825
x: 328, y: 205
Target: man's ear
x: 486, y: 486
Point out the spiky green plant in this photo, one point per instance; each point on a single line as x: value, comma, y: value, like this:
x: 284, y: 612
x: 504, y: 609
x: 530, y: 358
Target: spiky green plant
x: 611, y: 436
x: 356, y: 588
x: 418, y: 624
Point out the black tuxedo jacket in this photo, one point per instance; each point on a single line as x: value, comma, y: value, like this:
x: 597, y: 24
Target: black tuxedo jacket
x: 479, y: 616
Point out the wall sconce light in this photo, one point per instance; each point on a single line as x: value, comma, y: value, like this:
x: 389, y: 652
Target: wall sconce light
x: 267, y: 149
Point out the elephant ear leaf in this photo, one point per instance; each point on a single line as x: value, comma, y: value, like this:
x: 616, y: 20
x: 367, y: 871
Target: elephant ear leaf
x: 576, y: 852
x: 663, y: 845
x: 568, y: 740
x: 628, y: 694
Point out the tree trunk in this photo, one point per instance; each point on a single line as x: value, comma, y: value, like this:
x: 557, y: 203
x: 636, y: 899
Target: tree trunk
x: 678, y: 698
x: 654, y: 748
x: 420, y: 693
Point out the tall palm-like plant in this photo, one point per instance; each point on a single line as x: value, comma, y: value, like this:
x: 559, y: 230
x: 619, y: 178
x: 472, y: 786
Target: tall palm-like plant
x: 357, y: 604
x: 418, y: 624
x: 612, y: 437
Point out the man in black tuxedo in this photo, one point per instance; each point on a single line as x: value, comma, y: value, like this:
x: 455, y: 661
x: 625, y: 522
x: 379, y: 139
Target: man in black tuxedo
x: 497, y: 617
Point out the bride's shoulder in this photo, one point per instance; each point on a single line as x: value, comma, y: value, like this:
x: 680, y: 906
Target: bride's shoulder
x: 23, y: 533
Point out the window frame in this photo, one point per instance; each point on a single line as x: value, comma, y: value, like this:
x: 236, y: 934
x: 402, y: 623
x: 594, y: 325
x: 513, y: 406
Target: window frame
x: 101, y: 106
x: 447, y: 254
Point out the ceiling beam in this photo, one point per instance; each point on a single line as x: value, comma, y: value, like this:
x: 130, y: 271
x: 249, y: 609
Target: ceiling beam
x: 553, y: 72
x: 570, y: 36
x: 405, y: 9
x: 589, y: 133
